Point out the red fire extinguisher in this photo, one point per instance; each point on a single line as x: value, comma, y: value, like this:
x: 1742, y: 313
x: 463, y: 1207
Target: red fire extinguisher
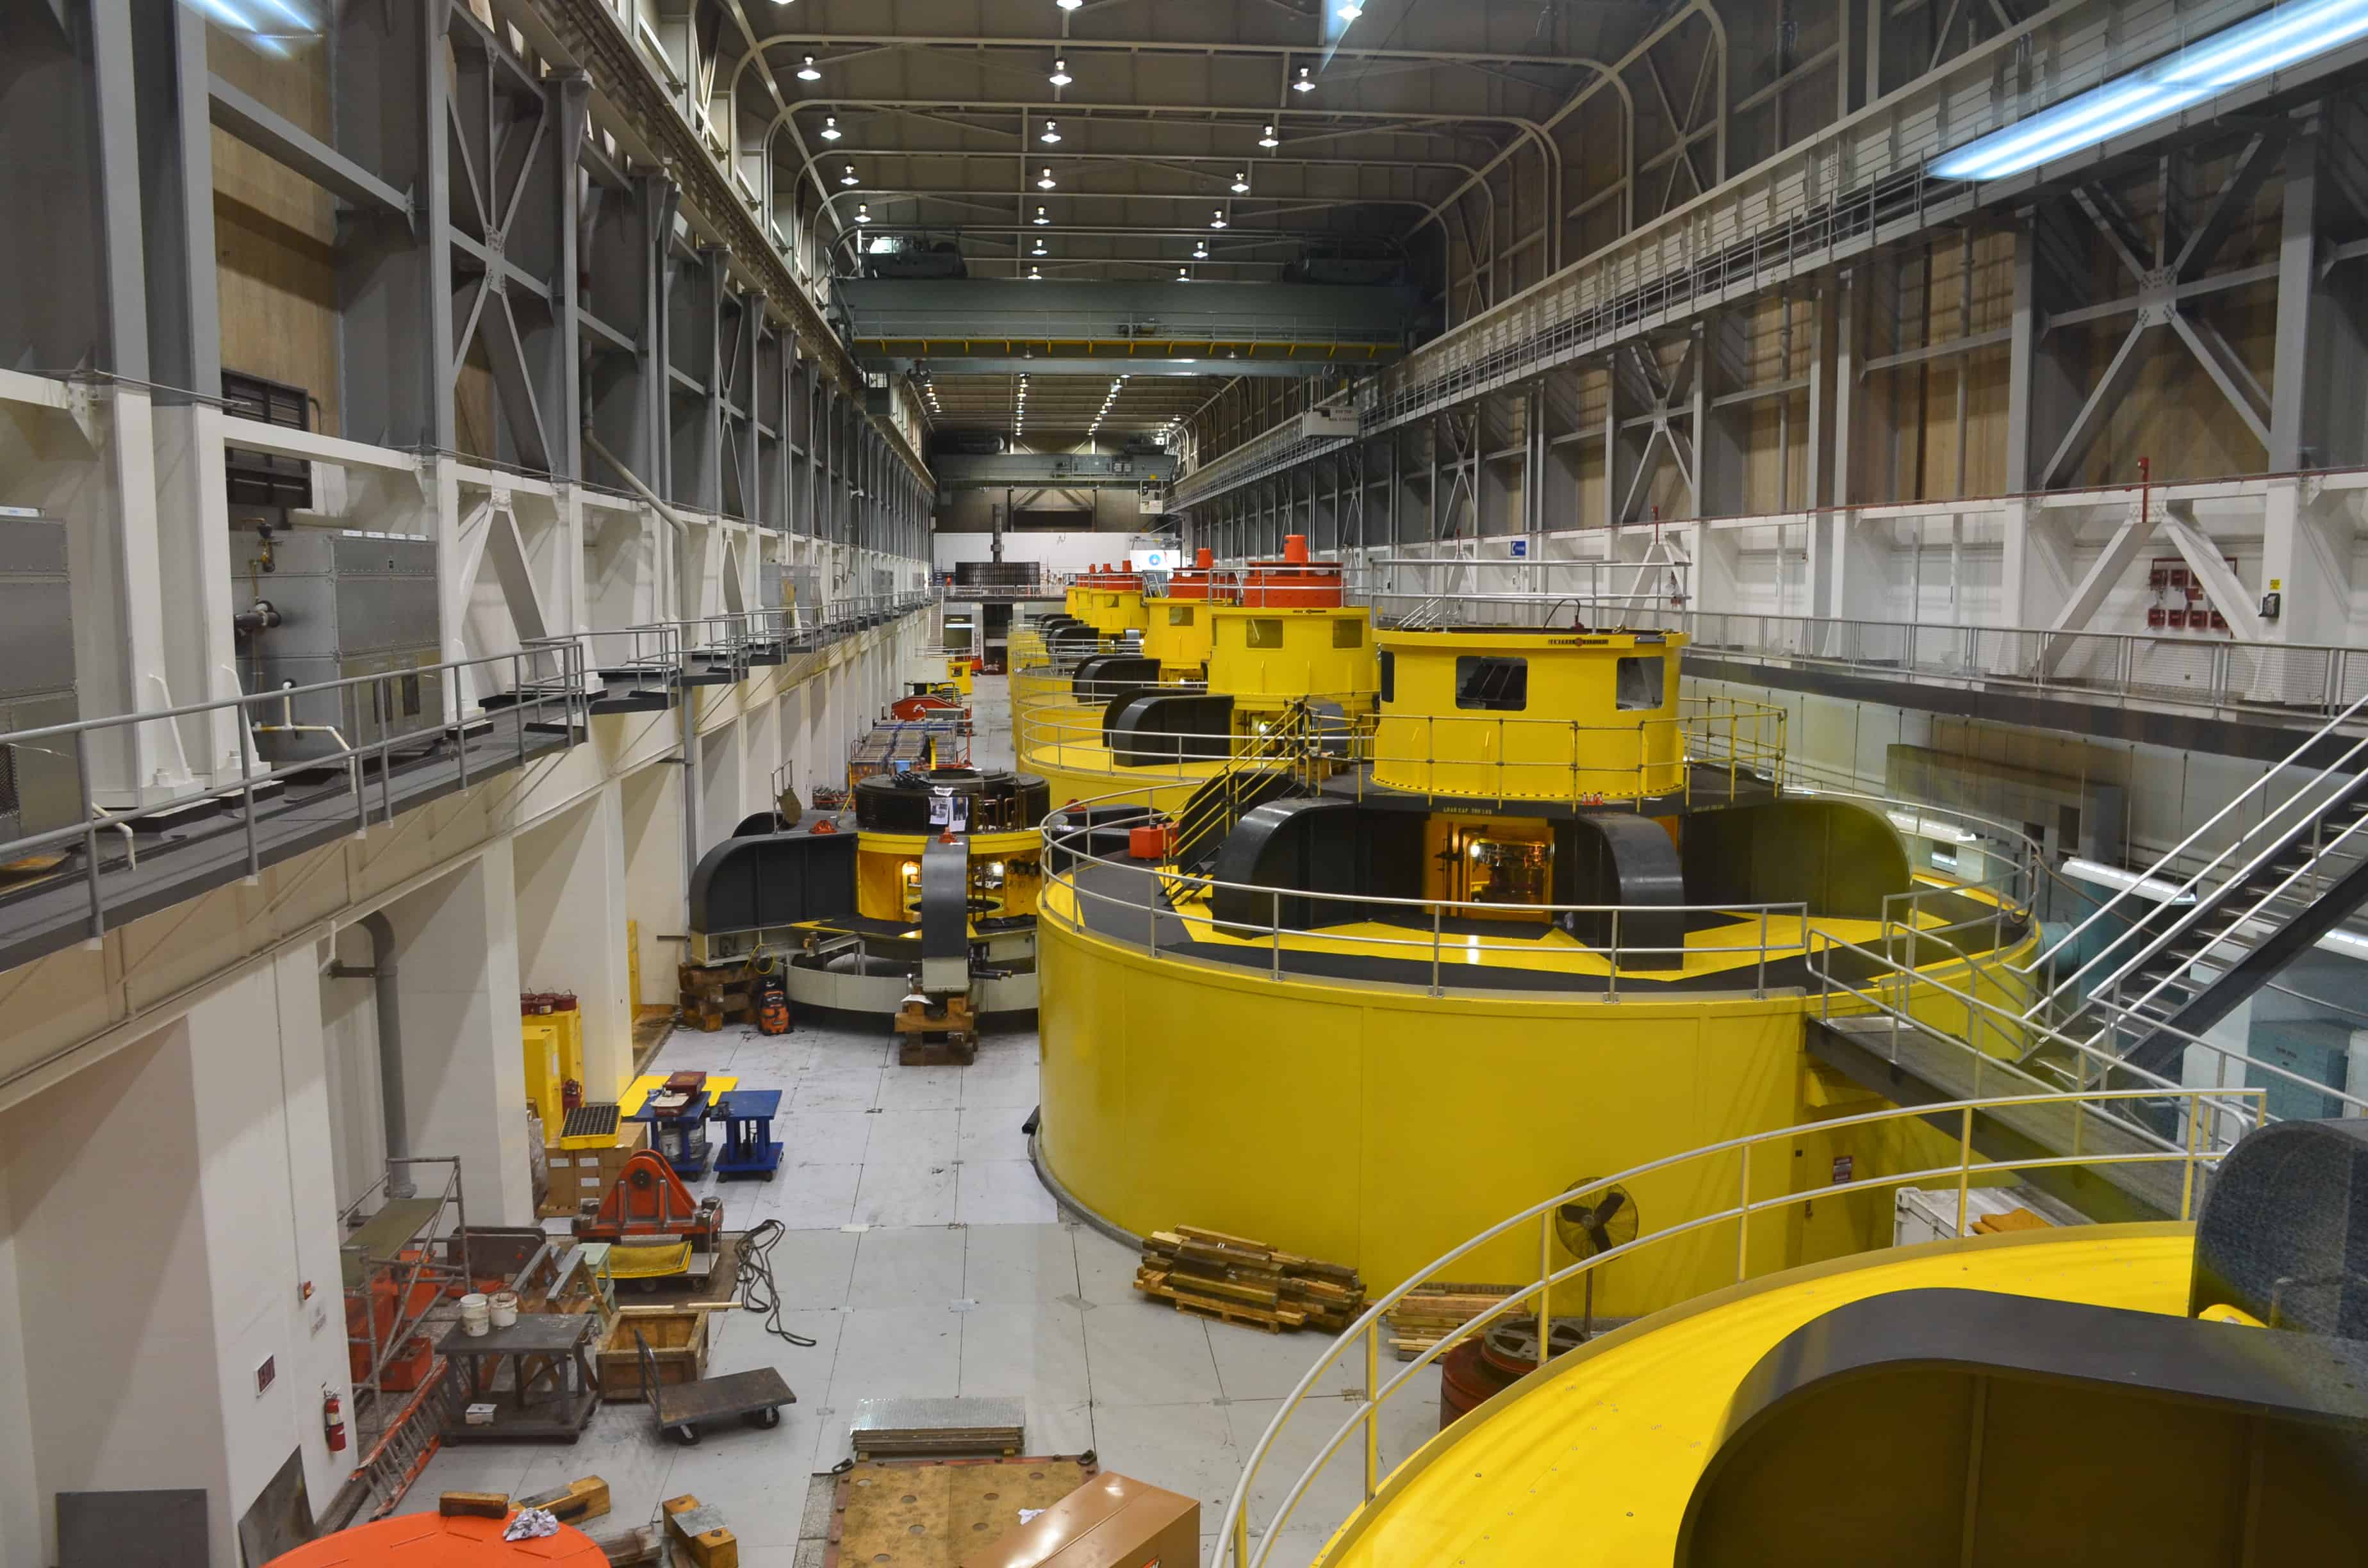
x: 332, y: 1420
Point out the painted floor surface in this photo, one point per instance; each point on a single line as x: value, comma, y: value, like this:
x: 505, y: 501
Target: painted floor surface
x: 924, y: 1260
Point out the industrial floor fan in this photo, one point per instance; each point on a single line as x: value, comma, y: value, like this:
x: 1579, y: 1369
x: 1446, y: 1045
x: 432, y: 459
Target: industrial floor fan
x: 1593, y: 1225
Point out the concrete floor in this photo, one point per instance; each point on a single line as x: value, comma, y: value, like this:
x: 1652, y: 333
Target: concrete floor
x: 926, y: 1259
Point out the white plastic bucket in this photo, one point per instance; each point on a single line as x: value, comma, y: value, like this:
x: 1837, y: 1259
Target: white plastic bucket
x: 503, y: 1308
x: 476, y: 1314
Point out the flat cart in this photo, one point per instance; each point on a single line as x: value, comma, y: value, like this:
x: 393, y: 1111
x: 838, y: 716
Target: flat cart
x: 682, y: 1409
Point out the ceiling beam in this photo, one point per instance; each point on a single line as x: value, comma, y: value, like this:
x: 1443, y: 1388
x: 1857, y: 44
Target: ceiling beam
x: 1050, y: 47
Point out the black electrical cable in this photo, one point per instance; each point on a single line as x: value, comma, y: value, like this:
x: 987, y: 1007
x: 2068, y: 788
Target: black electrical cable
x: 755, y: 1284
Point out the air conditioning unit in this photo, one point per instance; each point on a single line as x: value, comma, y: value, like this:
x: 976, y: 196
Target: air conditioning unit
x: 1328, y: 423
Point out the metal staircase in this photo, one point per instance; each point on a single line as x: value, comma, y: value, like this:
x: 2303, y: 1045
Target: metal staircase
x: 1280, y: 762
x: 2168, y: 971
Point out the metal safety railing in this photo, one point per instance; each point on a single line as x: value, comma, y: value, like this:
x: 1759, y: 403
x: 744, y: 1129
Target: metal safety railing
x: 1611, y: 951
x: 1902, y: 982
x: 2281, y: 810
x: 1757, y: 1169
x: 1505, y: 757
x: 2213, y: 672
x: 544, y: 682
x: 2209, y: 671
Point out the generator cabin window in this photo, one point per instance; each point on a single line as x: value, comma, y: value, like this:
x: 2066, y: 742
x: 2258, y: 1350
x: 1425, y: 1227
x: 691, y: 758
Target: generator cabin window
x: 1640, y: 684
x: 1179, y: 615
x: 1389, y: 676
x: 1492, y: 685
x: 1346, y: 633
x: 1263, y: 633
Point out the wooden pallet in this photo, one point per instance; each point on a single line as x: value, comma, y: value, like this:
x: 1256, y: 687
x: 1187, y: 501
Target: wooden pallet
x: 1234, y: 1279
x: 1432, y: 1311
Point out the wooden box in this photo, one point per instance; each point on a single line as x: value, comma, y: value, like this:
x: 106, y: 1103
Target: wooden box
x: 678, y: 1342
x: 1112, y: 1521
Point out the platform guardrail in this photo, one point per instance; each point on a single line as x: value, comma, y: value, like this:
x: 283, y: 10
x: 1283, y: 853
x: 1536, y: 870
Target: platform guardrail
x: 2234, y: 1110
x: 1508, y: 758
x: 545, y: 681
x: 1777, y: 931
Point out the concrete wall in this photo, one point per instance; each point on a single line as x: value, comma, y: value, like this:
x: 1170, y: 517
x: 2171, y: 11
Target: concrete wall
x: 164, y: 1213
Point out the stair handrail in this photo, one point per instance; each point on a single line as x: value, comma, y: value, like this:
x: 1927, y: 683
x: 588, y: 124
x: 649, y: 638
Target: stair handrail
x: 2268, y: 775
x: 1283, y: 740
x: 2285, y: 837
x: 2006, y: 1020
x: 2111, y: 986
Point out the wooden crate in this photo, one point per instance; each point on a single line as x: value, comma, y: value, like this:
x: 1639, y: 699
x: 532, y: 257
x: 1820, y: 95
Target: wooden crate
x: 677, y: 1343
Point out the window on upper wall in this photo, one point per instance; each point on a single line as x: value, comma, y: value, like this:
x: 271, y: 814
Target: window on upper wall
x: 1642, y: 683
x: 1389, y: 676
x: 1179, y: 615
x: 1348, y: 633
x: 1496, y: 686
x: 1263, y: 633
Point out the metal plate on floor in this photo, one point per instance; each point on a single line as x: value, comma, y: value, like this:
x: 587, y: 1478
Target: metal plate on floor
x: 938, y: 1513
x: 885, y: 1426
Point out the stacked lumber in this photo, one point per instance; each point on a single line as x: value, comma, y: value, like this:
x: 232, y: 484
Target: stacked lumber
x: 1432, y: 1311
x: 1238, y: 1281
x: 709, y: 994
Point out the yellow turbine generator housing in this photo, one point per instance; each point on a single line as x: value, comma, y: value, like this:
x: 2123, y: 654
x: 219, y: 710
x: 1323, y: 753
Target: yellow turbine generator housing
x: 858, y: 904
x: 1109, y: 599
x: 1515, y: 714
x: 1542, y: 917
x: 1177, y: 622
x: 1281, y: 646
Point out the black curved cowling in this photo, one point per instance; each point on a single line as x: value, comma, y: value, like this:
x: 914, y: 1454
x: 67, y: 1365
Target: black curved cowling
x: 999, y: 800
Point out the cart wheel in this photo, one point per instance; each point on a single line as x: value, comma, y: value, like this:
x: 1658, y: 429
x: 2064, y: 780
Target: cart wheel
x: 769, y: 1176
x: 687, y: 1435
x: 768, y: 1417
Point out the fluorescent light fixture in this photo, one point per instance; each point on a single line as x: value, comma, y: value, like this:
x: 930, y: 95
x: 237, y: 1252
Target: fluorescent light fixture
x: 863, y: 213
x: 1201, y: 251
x: 2229, y: 58
x: 1039, y: 249
x: 848, y: 177
x: 1217, y: 219
x: 1242, y: 183
x: 1306, y: 83
x: 1061, y: 77
x: 1035, y: 275
x: 1071, y: 5
x: 1052, y: 132
x: 830, y: 131
x: 808, y: 73
x: 1045, y: 180
x: 1267, y: 139
x: 1351, y: 11
x: 1042, y: 218
x: 1183, y: 274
